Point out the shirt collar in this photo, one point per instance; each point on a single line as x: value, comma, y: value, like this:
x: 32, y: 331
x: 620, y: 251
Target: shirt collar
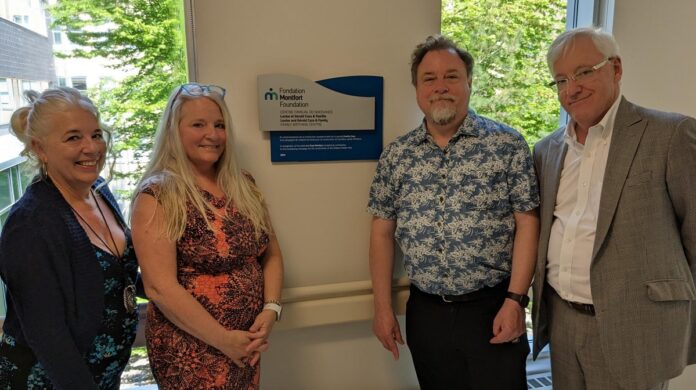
x: 605, y: 125
x: 468, y: 127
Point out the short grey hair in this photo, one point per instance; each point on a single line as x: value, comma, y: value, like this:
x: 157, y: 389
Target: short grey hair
x: 603, y: 41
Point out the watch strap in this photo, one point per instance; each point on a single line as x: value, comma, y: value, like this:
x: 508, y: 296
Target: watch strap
x: 276, y: 307
x: 522, y: 300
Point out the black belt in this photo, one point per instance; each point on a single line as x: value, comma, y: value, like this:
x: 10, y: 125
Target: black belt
x: 486, y: 292
x: 584, y: 308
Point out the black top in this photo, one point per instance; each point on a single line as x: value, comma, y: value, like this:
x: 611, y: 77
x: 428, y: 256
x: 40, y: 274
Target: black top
x: 55, y: 298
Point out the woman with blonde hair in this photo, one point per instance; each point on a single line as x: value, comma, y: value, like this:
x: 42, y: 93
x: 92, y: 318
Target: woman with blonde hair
x: 66, y: 256
x: 211, y: 263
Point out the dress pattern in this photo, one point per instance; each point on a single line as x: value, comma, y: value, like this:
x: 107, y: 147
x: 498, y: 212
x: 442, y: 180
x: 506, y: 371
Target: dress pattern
x: 111, y: 348
x: 221, y: 269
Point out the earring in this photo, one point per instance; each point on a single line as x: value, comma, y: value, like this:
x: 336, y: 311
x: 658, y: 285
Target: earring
x: 43, y: 170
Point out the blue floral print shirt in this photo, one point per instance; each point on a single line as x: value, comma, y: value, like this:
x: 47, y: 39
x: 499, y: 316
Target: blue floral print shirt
x: 454, y: 206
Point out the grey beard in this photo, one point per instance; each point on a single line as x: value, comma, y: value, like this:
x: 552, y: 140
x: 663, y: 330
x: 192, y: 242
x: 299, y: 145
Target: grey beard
x: 443, y: 116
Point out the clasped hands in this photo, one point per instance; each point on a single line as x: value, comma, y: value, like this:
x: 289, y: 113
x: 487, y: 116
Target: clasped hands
x: 245, y: 347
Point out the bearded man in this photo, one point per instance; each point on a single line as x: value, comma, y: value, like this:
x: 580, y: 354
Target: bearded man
x: 459, y: 195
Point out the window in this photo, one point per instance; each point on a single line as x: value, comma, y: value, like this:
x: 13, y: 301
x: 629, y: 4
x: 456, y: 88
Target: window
x: 7, y: 104
x: 12, y: 184
x: 21, y: 19
x: 6, y: 195
x: 79, y: 82
x: 57, y: 37
x: 31, y: 85
x: 62, y: 82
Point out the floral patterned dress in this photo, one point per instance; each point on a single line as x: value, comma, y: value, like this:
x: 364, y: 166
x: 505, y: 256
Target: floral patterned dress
x: 221, y: 269
x: 110, y: 349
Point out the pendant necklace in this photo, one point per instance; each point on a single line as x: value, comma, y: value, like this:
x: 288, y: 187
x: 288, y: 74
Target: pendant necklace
x: 128, y: 291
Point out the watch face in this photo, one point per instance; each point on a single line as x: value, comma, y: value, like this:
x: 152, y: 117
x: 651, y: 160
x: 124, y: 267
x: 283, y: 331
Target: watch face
x: 525, y: 301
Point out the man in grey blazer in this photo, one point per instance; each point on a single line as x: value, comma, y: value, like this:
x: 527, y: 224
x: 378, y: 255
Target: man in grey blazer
x: 614, y: 282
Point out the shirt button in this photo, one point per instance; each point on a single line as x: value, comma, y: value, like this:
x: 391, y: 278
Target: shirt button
x: 444, y: 176
x: 445, y: 275
x: 439, y: 224
x: 439, y: 250
x: 442, y: 199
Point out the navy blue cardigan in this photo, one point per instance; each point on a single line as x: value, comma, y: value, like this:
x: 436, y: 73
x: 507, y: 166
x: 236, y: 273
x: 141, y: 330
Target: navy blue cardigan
x: 55, y: 286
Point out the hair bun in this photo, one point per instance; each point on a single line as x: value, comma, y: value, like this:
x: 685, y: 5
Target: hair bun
x: 31, y: 96
x: 18, y: 125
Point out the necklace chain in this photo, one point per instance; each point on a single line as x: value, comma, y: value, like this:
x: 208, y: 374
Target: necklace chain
x: 129, y: 302
x: 117, y: 254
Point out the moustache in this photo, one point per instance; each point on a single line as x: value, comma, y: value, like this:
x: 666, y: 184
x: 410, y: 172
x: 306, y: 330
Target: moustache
x: 445, y: 97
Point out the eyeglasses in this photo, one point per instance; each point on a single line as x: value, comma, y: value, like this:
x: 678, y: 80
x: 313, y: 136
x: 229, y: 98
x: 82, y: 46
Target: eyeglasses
x: 580, y: 76
x: 195, y: 89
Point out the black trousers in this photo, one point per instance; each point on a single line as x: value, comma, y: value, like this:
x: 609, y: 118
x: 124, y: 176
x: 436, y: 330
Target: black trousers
x: 450, y: 346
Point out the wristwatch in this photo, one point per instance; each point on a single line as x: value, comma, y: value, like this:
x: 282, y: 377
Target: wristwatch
x: 275, y: 306
x: 523, y: 300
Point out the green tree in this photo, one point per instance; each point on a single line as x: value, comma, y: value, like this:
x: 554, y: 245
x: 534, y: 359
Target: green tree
x: 145, y: 38
x: 508, y: 39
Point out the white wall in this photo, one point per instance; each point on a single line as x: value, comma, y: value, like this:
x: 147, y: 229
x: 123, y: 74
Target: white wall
x: 657, y: 41
x: 318, y: 209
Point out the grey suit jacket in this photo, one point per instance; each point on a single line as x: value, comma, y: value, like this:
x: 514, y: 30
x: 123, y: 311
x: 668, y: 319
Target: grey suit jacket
x: 644, y: 257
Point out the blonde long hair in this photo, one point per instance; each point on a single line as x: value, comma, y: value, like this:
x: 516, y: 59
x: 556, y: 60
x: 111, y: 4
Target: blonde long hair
x: 170, y: 175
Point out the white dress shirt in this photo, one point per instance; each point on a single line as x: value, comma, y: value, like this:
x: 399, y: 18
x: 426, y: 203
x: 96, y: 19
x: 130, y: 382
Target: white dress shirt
x: 577, y: 205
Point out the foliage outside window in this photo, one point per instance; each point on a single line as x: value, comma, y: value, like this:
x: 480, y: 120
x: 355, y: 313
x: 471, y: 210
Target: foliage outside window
x: 508, y: 40
x: 147, y: 40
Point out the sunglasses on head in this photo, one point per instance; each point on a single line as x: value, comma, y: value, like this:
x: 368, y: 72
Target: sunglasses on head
x: 195, y: 89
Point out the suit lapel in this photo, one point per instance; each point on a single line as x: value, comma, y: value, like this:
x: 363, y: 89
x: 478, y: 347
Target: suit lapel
x: 628, y: 130
x: 553, y: 166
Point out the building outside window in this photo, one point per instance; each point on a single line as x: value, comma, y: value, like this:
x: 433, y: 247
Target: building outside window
x: 6, y: 101
x: 57, y: 37
x: 26, y: 62
x: 79, y: 82
x: 21, y: 19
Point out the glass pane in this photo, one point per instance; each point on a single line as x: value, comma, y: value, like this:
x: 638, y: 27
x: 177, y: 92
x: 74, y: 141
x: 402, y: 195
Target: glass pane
x: 3, y: 306
x: 5, y: 197
x: 26, y: 176
x: 17, y: 182
x: 6, y: 101
x: 79, y: 83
